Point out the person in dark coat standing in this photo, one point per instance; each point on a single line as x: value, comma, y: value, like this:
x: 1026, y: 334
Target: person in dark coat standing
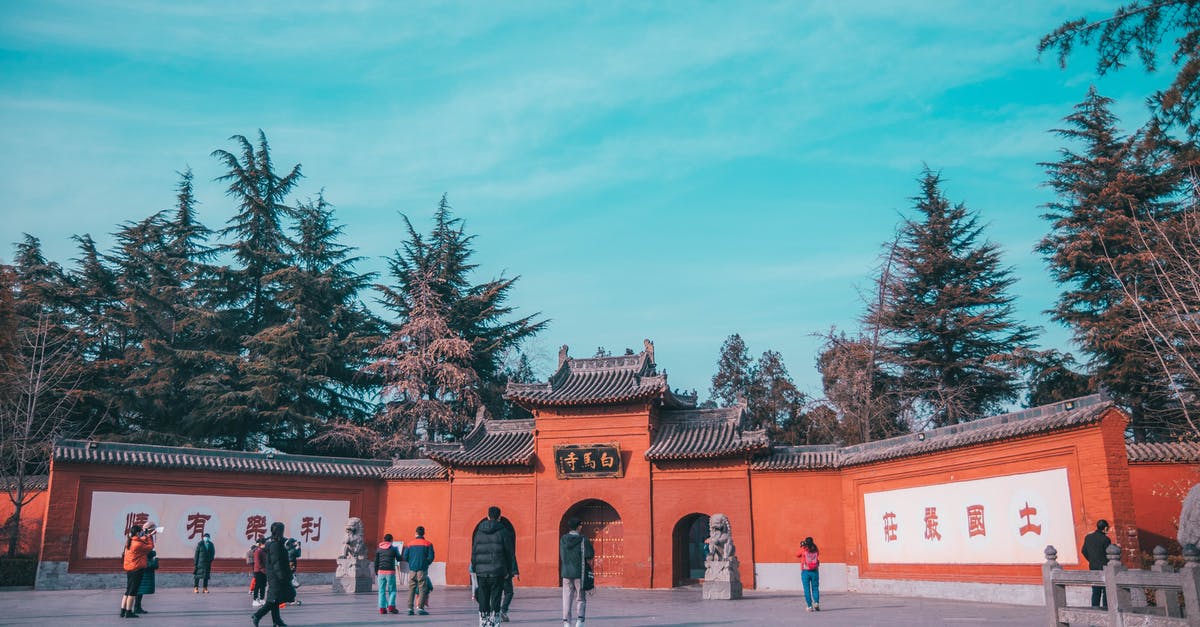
x: 147, y: 586
x: 202, y: 563
x: 279, y: 578
x: 574, y: 552
x: 507, y: 597
x: 1095, y: 551
x: 492, y: 560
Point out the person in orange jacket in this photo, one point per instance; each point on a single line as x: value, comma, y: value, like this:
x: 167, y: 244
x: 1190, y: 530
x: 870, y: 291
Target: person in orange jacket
x: 138, y: 545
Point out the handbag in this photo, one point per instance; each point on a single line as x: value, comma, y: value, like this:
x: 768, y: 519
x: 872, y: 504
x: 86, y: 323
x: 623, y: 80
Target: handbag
x: 589, y: 576
x: 295, y: 582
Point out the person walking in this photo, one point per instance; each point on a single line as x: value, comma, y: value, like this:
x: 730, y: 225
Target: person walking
x: 419, y: 555
x: 507, y: 597
x: 279, y: 578
x: 147, y: 585
x: 810, y: 577
x: 386, y: 559
x: 258, y: 590
x: 138, y: 545
x: 492, y: 561
x: 202, y: 563
x: 1095, y: 551
x: 293, y: 552
x: 574, y: 553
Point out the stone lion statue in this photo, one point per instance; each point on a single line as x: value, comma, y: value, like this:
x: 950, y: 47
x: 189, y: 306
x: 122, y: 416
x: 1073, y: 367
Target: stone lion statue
x: 1189, y: 518
x: 353, y: 545
x: 720, y: 540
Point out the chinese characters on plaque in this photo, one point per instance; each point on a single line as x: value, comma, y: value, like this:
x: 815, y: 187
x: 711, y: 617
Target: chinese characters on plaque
x: 588, y: 461
x: 232, y: 521
x: 997, y: 520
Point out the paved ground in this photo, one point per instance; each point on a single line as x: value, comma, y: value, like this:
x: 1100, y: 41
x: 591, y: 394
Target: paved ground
x: 532, y: 606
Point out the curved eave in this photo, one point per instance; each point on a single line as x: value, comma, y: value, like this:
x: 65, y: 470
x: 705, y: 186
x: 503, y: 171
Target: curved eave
x: 532, y: 401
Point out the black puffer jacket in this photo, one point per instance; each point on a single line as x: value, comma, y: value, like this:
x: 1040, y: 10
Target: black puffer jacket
x: 492, y: 552
x: 279, y: 572
x: 570, y: 557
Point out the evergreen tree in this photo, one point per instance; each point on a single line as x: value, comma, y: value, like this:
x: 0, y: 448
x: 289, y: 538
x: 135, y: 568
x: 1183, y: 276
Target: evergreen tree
x: 93, y: 309
x: 230, y: 394
x: 1095, y: 253
x: 731, y: 383
x: 476, y: 312
x: 309, y: 363
x: 429, y: 386
x: 775, y: 403
x: 518, y: 371
x: 947, y: 316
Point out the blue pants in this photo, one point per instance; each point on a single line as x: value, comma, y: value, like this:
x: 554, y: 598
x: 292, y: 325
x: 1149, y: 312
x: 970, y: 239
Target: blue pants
x: 812, y: 586
x: 387, y: 590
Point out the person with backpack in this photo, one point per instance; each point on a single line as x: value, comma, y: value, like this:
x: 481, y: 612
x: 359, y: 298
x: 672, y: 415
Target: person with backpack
x: 810, y: 561
x: 574, y: 553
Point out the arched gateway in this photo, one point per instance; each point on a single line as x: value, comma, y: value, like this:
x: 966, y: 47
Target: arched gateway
x: 602, y: 525
x: 688, y: 549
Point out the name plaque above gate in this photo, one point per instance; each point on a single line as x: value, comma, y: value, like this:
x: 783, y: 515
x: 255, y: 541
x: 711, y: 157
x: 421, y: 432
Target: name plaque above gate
x: 588, y: 461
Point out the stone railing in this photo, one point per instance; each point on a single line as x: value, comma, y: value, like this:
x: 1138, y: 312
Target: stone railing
x: 1126, y: 592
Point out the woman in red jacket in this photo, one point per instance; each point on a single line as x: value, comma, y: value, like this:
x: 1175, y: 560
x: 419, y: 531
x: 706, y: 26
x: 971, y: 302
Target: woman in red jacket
x: 810, y: 560
x: 138, y: 545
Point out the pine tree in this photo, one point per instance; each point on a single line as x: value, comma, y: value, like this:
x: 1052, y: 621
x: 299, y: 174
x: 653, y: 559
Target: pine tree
x: 774, y: 401
x: 476, y: 312
x: 230, y: 394
x: 731, y: 383
x: 94, y: 307
x: 1094, y: 251
x: 310, y: 362
x: 947, y: 316
x: 429, y: 386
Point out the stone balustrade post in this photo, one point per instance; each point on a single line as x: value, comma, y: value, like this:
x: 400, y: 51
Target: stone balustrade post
x: 1164, y: 598
x: 1056, y: 596
x: 1117, y: 597
x: 1189, y: 578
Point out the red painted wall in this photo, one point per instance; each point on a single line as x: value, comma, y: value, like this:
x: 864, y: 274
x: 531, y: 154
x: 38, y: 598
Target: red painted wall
x: 67, y: 517
x: 1158, y: 491
x: 29, y: 542
x: 1097, y: 474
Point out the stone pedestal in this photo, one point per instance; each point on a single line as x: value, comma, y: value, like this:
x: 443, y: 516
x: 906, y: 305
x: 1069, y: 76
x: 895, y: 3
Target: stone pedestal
x: 353, y: 575
x: 722, y: 579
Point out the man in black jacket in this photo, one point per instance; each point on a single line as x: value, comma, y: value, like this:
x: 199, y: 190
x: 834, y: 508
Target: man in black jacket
x: 492, y: 561
x: 1095, y: 549
x: 279, y: 577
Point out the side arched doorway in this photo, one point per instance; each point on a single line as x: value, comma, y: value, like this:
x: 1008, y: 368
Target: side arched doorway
x: 688, y: 549
x: 602, y: 525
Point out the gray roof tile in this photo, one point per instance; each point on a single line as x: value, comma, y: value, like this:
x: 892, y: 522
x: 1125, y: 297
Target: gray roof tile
x: 490, y: 443
x: 145, y: 455
x: 1188, y: 452
x: 704, y: 434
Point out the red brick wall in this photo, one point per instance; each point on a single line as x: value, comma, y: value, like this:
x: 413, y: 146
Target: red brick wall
x: 1158, y: 491
x: 67, y: 517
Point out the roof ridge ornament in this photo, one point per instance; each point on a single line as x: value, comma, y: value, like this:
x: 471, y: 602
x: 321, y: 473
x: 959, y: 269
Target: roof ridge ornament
x: 649, y: 344
x: 562, y: 355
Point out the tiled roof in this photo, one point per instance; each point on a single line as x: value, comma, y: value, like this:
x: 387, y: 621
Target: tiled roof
x: 704, y: 434
x: 600, y: 381
x: 33, y: 483
x: 145, y: 455
x: 799, y: 458
x: 1044, y: 419
x: 415, y: 469
x: 1164, y: 452
x: 490, y: 443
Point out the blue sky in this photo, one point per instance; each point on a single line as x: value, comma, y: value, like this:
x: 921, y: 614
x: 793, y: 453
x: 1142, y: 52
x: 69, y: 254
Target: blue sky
x: 673, y: 170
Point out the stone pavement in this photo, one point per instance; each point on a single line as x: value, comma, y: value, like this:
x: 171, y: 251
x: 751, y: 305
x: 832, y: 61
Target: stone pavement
x: 532, y: 606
